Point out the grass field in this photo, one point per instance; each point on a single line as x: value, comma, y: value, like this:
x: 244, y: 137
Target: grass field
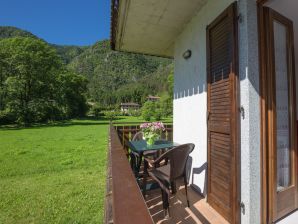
x: 54, y: 173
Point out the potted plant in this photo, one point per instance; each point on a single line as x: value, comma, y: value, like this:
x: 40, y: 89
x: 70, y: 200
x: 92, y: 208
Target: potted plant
x: 151, y: 131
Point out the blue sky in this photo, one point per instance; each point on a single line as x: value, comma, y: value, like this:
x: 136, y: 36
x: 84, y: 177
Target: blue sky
x: 67, y: 22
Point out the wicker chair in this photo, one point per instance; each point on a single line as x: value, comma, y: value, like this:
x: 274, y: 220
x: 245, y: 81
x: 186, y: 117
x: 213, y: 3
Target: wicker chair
x: 166, y: 175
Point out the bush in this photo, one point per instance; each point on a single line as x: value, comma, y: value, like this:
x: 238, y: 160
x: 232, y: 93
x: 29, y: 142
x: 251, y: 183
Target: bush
x: 148, y: 110
x: 135, y: 113
x: 157, y: 114
x: 96, y: 111
x: 146, y: 115
x: 166, y: 105
x: 6, y: 117
x: 111, y: 115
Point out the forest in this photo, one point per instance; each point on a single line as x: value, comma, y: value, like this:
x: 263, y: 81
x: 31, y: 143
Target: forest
x: 42, y: 82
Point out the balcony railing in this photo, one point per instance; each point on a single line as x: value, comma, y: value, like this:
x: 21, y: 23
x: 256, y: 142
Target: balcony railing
x: 124, y: 201
x: 126, y: 131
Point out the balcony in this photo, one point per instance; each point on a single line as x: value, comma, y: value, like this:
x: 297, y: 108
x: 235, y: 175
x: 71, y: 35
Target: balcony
x: 125, y: 203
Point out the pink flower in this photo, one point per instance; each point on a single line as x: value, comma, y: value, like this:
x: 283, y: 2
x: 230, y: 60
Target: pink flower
x: 152, y: 127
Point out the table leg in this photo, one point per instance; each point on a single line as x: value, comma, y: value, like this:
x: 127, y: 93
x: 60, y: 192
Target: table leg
x: 140, y: 161
x: 173, y: 187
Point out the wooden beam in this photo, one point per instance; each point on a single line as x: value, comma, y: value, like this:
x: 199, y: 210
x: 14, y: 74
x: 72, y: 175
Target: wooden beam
x: 128, y: 204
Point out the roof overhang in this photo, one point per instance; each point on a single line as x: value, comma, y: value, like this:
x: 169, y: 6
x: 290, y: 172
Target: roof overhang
x: 150, y: 26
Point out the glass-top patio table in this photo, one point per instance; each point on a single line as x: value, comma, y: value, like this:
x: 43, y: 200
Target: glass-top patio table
x: 141, y: 147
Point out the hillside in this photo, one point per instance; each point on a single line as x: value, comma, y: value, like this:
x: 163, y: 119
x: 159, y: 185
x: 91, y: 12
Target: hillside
x: 113, y: 77
x: 9, y: 31
x: 67, y: 53
x: 121, y: 77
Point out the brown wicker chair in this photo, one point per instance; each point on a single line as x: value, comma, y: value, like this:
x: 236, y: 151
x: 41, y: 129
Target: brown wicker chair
x: 166, y: 175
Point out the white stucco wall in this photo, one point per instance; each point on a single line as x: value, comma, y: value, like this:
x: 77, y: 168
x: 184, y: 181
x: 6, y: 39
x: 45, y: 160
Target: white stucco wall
x: 190, y: 96
x: 190, y: 99
x: 250, y: 101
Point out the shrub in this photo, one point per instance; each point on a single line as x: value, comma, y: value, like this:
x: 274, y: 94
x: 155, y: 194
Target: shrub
x: 157, y: 114
x: 146, y: 115
x: 111, y: 115
x: 148, y: 110
x: 96, y: 111
x: 6, y: 117
x: 135, y: 113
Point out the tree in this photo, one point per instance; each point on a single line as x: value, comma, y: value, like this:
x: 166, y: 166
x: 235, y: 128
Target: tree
x: 166, y: 105
x: 35, y: 86
x: 171, y: 84
x: 30, y: 69
x: 148, y: 110
x: 71, y: 94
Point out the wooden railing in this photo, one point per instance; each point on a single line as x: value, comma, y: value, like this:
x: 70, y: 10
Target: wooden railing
x: 124, y: 202
x: 126, y: 131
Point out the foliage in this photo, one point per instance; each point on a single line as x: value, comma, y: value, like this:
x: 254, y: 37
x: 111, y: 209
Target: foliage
x: 146, y: 115
x: 96, y: 110
x: 117, y: 77
x: 35, y: 85
x: 159, y: 109
x: 134, y: 113
x: 9, y: 32
x: 157, y: 114
x: 68, y: 53
x: 111, y: 78
x: 170, y: 82
x: 166, y: 105
x: 29, y: 78
x: 71, y: 95
x: 111, y: 115
x: 148, y: 110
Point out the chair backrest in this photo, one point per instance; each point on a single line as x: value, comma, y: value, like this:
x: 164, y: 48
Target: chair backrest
x: 178, y: 158
x: 138, y: 136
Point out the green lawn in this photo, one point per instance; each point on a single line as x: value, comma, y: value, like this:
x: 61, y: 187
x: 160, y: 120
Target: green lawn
x: 54, y: 173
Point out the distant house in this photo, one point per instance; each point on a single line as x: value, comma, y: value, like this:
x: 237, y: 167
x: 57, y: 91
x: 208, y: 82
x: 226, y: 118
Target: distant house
x: 125, y: 107
x: 153, y: 98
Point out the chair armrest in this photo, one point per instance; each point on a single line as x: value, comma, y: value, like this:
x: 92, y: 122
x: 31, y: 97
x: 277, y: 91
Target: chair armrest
x: 151, y: 161
x: 159, y: 159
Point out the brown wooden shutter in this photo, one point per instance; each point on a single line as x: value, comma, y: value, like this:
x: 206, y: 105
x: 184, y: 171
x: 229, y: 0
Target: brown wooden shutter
x: 222, y: 114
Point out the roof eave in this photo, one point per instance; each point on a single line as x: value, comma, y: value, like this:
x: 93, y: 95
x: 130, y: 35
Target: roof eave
x: 114, y: 23
x: 113, y: 32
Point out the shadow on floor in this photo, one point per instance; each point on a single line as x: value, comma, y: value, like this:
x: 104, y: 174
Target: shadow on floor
x: 199, y: 211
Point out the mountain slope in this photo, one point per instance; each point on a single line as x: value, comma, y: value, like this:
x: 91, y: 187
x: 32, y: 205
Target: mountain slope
x: 113, y: 77
x: 67, y: 53
x: 9, y: 31
x: 118, y: 76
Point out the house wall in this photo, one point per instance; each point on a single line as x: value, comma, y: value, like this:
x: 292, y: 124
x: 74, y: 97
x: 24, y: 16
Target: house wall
x: 190, y: 100
x: 190, y: 89
x: 250, y: 101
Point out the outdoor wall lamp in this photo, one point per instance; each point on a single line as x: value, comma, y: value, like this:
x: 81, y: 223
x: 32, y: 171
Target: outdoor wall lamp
x: 187, y: 54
